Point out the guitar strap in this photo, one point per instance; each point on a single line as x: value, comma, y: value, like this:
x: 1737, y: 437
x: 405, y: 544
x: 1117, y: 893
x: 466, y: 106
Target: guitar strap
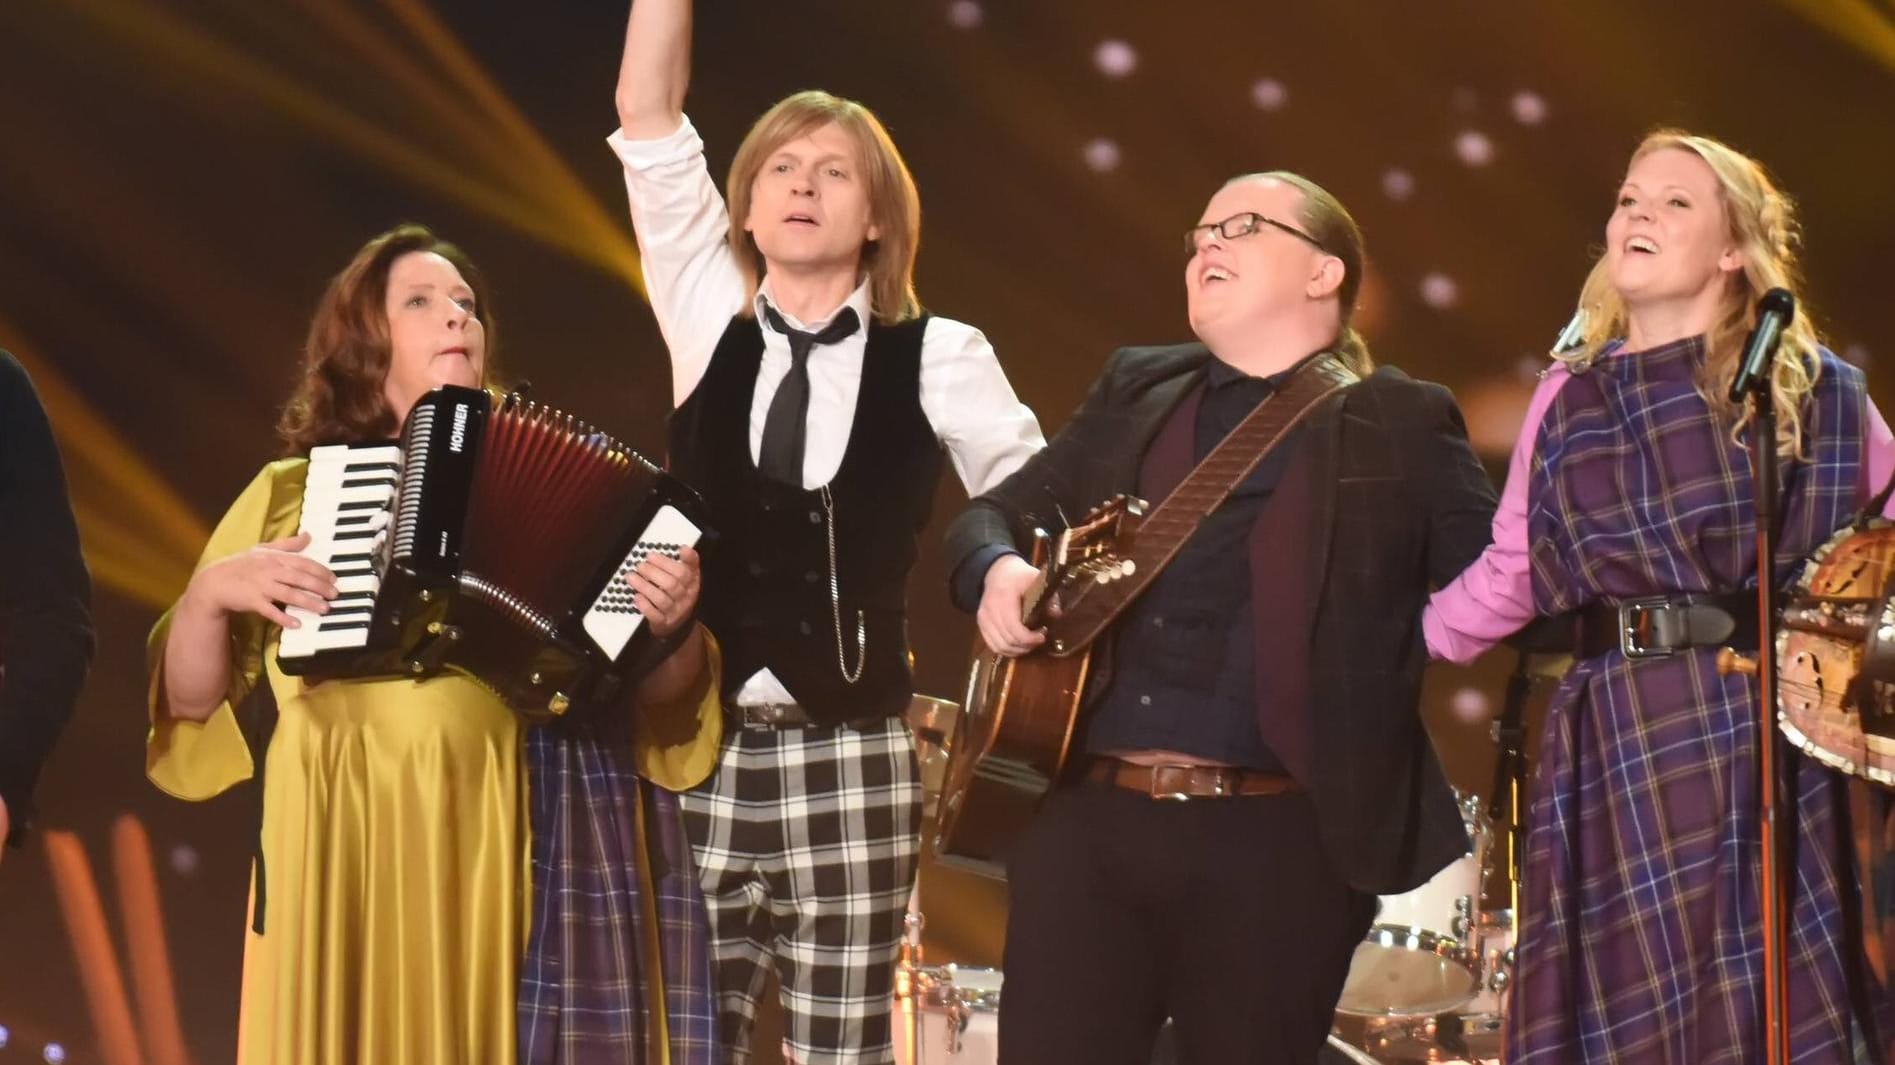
x: 1165, y: 530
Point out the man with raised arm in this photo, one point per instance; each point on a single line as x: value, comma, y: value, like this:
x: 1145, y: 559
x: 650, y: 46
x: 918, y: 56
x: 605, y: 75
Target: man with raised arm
x: 814, y: 399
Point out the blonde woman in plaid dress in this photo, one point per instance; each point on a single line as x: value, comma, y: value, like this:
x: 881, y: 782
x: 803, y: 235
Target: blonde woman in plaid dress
x: 1640, y: 932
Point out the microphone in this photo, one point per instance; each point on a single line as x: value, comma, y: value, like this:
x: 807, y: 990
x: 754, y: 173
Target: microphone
x: 1573, y: 336
x: 1775, y: 311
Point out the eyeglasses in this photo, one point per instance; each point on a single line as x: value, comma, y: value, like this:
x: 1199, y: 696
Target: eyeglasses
x: 1243, y: 225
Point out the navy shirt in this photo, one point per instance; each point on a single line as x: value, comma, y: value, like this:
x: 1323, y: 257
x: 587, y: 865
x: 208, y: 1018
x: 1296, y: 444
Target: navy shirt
x: 1186, y: 651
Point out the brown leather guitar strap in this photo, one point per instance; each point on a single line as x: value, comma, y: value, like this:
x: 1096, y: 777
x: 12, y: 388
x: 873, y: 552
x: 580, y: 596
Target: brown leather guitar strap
x: 1164, y: 530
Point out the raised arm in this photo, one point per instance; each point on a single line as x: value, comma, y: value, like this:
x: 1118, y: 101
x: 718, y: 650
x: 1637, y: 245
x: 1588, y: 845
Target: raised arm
x: 692, y: 279
x: 656, y: 68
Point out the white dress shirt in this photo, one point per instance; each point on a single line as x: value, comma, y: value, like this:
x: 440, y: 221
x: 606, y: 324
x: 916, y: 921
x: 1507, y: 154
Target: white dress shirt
x: 695, y: 287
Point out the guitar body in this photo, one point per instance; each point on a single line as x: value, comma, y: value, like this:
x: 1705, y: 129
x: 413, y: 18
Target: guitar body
x: 1019, y: 715
x: 1015, y: 731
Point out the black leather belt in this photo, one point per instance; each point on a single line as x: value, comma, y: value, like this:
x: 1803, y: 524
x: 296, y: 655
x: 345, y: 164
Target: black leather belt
x: 767, y: 715
x: 791, y: 715
x: 1657, y: 626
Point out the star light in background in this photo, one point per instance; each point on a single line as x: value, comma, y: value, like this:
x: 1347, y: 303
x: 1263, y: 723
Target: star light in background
x: 1471, y: 705
x: 1529, y: 108
x: 1269, y: 94
x: 1439, y: 291
x: 1474, y: 148
x: 1115, y: 59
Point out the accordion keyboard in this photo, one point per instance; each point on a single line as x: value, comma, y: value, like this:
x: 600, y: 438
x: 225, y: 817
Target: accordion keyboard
x: 347, y: 500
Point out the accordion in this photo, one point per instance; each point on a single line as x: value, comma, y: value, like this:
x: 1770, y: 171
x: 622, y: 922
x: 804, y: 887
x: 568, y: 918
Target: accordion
x: 489, y: 540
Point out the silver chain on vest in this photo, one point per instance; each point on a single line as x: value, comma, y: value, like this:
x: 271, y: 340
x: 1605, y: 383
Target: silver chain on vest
x: 835, y: 601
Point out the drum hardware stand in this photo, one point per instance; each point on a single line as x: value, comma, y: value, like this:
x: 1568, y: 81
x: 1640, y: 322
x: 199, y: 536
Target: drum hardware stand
x: 908, y: 973
x: 1753, y: 381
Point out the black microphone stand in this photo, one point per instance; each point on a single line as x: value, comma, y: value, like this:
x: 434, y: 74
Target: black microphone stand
x: 1770, y: 803
x: 1506, y: 804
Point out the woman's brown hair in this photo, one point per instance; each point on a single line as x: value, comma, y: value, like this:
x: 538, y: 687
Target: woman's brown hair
x: 345, y: 360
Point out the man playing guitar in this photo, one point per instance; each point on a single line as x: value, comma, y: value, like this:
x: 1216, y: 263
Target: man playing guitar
x: 1268, y: 677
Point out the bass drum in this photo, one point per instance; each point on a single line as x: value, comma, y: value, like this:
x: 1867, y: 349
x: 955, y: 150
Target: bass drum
x: 1419, y: 957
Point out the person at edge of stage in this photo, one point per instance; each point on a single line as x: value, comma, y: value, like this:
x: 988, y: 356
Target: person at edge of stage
x: 45, y: 600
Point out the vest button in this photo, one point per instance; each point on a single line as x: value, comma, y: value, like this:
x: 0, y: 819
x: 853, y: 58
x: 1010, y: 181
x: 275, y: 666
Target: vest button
x: 756, y: 568
x: 804, y: 628
x: 815, y: 517
x: 811, y: 577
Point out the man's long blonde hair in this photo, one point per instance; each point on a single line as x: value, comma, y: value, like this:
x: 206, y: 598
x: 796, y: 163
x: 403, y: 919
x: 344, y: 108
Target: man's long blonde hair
x: 894, y: 204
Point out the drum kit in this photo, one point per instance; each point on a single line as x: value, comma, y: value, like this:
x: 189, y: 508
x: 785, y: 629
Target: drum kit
x: 1427, y: 984
x: 1429, y: 981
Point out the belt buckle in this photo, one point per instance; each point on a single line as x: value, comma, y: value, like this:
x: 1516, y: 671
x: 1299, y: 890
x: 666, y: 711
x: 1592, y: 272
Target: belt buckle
x: 1629, y: 627
x: 1164, y: 796
x: 760, y: 716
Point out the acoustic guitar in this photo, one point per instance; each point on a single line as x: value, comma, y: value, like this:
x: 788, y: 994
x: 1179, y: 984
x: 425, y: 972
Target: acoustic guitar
x: 1019, y: 713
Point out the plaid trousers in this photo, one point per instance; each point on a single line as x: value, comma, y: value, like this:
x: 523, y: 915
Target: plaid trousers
x: 807, y: 841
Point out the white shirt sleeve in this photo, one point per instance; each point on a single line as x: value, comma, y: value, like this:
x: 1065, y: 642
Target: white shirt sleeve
x: 691, y: 278
x: 968, y: 400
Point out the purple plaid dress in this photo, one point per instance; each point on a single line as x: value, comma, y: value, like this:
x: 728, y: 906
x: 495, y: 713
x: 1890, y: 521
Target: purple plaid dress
x: 1640, y: 934
x: 586, y: 987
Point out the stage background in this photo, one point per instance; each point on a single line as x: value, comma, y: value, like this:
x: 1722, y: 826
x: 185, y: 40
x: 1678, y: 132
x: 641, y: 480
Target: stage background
x: 177, y: 182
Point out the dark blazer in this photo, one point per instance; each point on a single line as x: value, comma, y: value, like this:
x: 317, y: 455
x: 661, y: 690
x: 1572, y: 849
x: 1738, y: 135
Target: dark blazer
x: 45, y: 595
x: 1383, y: 500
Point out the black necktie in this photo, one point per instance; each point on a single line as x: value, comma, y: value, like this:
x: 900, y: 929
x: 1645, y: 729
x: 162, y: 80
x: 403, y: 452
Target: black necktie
x: 784, y: 428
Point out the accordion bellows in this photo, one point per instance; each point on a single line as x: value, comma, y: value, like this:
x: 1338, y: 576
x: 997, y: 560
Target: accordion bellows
x: 498, y: 548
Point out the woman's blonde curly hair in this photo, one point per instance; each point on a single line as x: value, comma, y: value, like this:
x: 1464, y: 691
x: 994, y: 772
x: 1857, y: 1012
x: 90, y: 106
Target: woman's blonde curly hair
x: 1763, y: 225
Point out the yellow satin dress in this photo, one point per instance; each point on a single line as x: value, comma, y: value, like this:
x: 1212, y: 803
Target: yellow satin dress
x: 395, y: 838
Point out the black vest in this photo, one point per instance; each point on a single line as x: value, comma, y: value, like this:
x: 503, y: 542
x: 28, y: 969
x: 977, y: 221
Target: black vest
x: 766, y: 581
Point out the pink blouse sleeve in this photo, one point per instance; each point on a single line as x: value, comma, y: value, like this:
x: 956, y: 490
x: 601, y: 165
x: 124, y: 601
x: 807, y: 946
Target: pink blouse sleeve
x: 1881, y: 456
x: 1493, y: 597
